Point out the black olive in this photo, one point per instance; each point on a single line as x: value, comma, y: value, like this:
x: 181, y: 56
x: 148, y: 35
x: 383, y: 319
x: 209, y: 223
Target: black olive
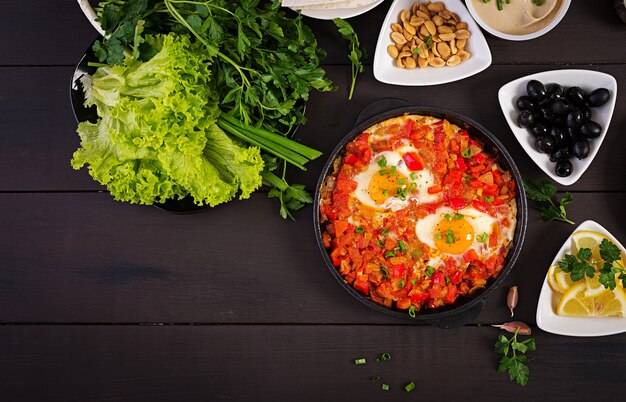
x: 536, y: 90
x: 555, y: 91
x: 580, y: 149
x: 545, y: 144
x: 559, y: 134
x: 576, y: 95
x: 584, y: 109
x: 574, y: 118
x: 563, y: 168
x: 525, y: 103
x: 560, y: 106
x: 546, y: 113
x: 526, y: 118
x: 599, y: 97
x: 538, y: 129
x: 560, y: 153
x: 591, y: 129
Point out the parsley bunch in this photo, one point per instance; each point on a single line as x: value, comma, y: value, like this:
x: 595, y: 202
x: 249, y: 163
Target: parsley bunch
x: 543, y: 192
x: 357, y: 52
x: 515, y: 363
x: 580, y: 265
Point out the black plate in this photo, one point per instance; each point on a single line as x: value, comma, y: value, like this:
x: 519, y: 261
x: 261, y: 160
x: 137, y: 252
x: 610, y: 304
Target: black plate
x: 185, y: 205
x: 466, y: 308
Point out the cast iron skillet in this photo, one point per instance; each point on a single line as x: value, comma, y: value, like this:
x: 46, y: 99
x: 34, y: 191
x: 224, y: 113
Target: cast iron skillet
x: 467, y: 308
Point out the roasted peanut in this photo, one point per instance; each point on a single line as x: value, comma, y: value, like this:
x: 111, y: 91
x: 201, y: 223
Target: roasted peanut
x: 392, y: 51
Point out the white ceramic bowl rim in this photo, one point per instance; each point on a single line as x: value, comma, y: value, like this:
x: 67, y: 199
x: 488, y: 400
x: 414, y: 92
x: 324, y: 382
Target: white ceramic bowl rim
x: 529, y: 36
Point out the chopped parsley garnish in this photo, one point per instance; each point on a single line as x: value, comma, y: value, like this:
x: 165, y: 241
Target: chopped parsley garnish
x: 543, y: 191
x: 359, y: 230
x: 515, y: 364
x: 580, y: 265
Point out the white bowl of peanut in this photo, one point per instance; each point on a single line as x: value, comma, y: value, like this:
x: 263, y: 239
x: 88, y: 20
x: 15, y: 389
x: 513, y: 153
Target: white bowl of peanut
x: 429, y: 43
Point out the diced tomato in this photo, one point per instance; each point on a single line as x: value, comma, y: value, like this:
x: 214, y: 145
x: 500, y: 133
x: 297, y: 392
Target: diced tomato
x: 336, y: 257
x: 418, y: 134
x: 413, y: 161
x: 479, y: 205
x: 341, y: 226
x: 407, y: 128
x: 497, y: 177
x: 345, y: 185
x: 454, y: 176
x: 480, y: 158
x: 475, y: 183
x: 452, y: 294
x: 362, y: 287
x: 490, y: 190
x: 435, y: 189
x: 455, y: 277
x: 457, y: 202
x: 439, y: 136
x: 403, y: 304
x: 434, y: 293
x: 351, y: 159
x: 437, y: 278
x: 460, y: 164
x: 470, y: 255
x: 419, y: 297
x: 397, y: 271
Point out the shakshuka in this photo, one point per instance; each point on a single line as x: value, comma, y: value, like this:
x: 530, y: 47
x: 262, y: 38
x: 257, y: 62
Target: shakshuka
x: 416, y: 213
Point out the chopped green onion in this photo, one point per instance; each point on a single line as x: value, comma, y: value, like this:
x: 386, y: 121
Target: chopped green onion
x: 489, y: 198
x: 385, y: 193
x: 360, y: 361
x: 450, y: 237
x: 384, y: 357
x: 413, y: 175
x: 412, y: 311
x: 438, y: 236
x: 413, y: 282
x: 380, y: 243
x: 447, y: 280
x: 466, y: 178
x: 375, y: 378
x: 416, y: 253
x: 482, y: 238
x: 416, y: 51
x: 382, y: 162
x: 401, y: 283
x: 383, y: 172
x: 385, y: 387
x: 359, y: 230
x: 385, y: 232
x: 430, y: 271
x: 410, y: 386
x: 402, y: 246
x: 467, y: 153
x: 384, y: 271
x: 393, y: 170
x: 390, y: 253
x: 448, y: 217
x: 458, y: 216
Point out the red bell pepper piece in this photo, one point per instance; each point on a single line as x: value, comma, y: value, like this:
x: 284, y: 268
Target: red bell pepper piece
x: 435, y: 189
x: 419, y: 297
x: 460, y: 164
x: 453, y: 177
x: 455, y: 277
x: 351, y: 159
x: 470, y: 255
x: 480, y: 158
x: 397, y: 270
x: 457, y: 202
x: 361, y: 286
x: 479, y: 205
x: 413, y: 161
x: 437, y: 277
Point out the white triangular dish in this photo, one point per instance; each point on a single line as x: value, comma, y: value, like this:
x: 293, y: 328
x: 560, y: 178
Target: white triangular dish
x: 587, y: 80
x: 549, y: 321
x: 385, y: 69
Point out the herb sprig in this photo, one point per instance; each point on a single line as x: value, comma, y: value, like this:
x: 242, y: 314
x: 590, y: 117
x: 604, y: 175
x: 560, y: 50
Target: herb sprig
x: 543, y: 191
x: 580, y: 265
x: 515, y: 363
x: 357, y: 51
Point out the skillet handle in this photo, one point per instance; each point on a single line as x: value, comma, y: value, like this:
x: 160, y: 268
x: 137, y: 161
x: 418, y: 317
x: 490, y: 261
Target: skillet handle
x: 460, y: 319
x: 379, y: 106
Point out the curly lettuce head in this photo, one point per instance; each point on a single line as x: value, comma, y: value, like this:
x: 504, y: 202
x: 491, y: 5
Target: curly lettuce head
x: 156, y: 136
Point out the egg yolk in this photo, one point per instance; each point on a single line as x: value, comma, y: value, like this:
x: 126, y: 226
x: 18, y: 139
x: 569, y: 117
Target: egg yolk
x: 382, y: 187
x: 454, y: 236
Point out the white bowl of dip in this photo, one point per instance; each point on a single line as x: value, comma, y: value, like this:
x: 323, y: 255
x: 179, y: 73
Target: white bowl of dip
x: 519, y: 19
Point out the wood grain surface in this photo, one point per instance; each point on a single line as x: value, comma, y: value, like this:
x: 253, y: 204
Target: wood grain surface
x: 101, y: 300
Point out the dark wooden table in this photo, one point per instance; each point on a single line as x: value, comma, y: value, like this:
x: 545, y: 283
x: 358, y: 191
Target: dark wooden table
x: 101, y: 300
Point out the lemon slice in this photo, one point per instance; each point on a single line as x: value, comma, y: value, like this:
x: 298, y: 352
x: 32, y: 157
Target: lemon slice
x: 559, y: 280
x: 591, y: 240
x: 604, y: 303
x: 594, y: 287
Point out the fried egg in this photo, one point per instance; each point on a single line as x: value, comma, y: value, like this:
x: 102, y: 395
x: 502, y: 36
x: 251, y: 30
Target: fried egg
x: 387, y: 183
x: 454, y: 232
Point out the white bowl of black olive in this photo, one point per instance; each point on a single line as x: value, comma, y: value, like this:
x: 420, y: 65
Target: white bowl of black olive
x: 560, y: 118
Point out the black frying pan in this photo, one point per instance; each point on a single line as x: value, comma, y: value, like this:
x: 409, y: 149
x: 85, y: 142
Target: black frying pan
x: 466, y: 308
